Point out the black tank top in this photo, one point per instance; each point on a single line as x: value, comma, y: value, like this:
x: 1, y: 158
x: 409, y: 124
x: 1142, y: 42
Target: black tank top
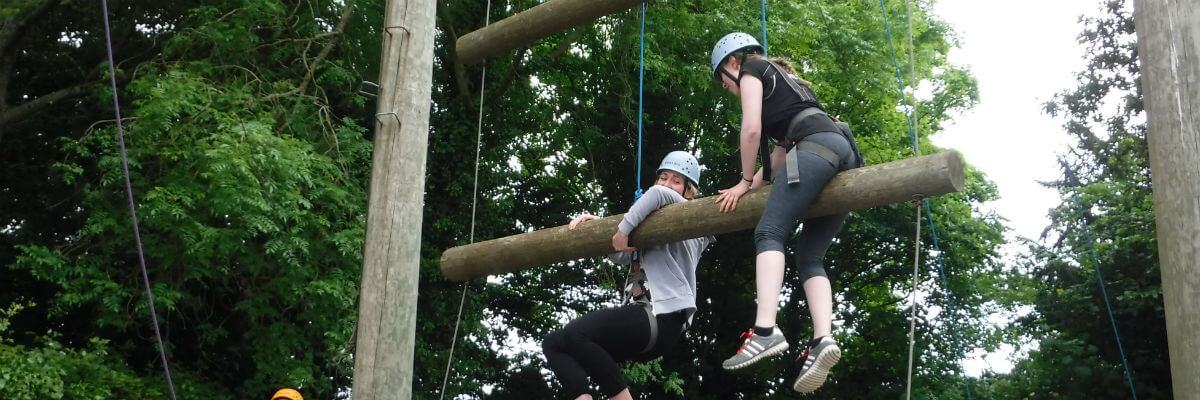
x: 780, y: 103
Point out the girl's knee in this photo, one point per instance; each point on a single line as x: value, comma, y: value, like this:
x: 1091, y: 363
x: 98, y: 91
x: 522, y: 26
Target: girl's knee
x: 555, y: 341
x: 810, y: 270
x: 768, y: 240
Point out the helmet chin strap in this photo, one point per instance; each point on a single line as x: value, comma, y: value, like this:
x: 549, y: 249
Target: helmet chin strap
x: 736, y: 81
x: 741, y: 61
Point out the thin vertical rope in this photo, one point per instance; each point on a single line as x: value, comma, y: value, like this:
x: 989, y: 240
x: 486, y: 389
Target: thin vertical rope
x: 479, y: 132
x: 949, y: 300
x: 487, y: 18
x: 1099, y: 278
x: 637, y: 194
x: 899, y: 81
x: 928, y: 209
x: 764, y: 19
x: 137, y: 235
x: 912, y: 321
x: 912, y: 74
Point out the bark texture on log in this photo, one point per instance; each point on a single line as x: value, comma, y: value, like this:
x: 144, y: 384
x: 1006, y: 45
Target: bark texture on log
x: 538, y: 22
x: 856, y: 189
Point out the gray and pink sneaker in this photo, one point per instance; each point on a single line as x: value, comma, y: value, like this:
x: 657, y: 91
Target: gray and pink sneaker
x: 819, y: 356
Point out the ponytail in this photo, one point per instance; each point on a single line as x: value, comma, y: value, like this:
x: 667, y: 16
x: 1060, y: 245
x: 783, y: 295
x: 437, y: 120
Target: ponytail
x: 783, y: 64
x: 787, y: 67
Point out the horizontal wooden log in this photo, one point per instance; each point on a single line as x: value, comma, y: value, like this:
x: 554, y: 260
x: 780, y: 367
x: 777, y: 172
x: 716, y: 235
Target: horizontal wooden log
x: 856, y: 189
x: 535, y: 23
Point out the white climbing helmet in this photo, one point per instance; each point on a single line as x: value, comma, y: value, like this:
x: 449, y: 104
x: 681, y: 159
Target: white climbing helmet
x: 730, y: 44
x: 682, y: 162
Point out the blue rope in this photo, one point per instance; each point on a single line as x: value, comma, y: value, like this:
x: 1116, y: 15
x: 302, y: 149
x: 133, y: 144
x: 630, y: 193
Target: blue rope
x: 637, y: 194
x: 1099, y: 278
x: 764, y: 18
x: 137, y: 235
x: 928, y: 208
x: 899, y: 81
x: 945, y: 287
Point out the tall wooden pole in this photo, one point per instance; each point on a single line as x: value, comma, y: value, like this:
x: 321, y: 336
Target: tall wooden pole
x: 876, y: 185
x: 1168, y: 35
x: 537, y: 22
x: 387, y: 308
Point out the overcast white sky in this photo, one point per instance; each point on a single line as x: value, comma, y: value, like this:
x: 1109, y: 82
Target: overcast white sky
x: 1022, y: 52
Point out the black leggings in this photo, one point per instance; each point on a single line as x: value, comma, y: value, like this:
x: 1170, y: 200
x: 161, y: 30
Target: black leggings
x: 594, y: 344
x: 788, y: 202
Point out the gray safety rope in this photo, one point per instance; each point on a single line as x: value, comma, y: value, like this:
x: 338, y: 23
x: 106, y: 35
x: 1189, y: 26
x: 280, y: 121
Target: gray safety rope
x: 137, y: 235
x: 474, y: 202
x: 912, y: 321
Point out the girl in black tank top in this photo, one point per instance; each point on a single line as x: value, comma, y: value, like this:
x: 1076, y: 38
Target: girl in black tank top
x: 769, y: 103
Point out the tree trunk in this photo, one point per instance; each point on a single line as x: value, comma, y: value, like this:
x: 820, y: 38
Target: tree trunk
x: 387, y: 316
x: 1169, y: 48
x: 535, y: 23
x: 855, y: 189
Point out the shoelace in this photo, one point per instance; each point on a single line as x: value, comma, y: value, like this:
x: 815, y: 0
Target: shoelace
x: 748, y: 335
x: 808, y: 348
x: 803, y: 355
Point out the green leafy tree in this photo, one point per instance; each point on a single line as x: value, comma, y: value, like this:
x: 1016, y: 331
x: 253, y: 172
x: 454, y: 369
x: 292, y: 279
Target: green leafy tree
x: 1108, y: 211
x: 560, y: 136
x: 247, y: 163
x: 248, y: 125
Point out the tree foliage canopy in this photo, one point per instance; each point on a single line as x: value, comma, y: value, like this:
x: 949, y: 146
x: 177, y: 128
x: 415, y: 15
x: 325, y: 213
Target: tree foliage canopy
x: 1101, y: 241
x: 249, y: 133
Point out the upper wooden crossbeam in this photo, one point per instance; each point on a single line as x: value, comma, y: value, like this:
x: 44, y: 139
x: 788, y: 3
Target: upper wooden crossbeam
x: 856, y: 189
x: 535, y: 23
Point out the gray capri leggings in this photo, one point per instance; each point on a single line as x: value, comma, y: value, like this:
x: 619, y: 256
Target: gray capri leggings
x: 788, y: 202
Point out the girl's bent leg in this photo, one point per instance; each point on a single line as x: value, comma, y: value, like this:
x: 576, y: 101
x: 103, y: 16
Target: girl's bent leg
x: 570, y: 374
x: 786, y: 204
x: 592, y: 345
x: 815, y: 238
x: 768, y: 280
x: 819, y: 295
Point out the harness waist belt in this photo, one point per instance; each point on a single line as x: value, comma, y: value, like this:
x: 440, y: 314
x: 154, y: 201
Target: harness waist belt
x: 653, y: 325
x: 796, y: 144
x: 806, y: 122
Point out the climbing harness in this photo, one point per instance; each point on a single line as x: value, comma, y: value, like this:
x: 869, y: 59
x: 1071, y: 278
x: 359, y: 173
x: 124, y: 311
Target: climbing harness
x: 635, y: 283
x: 795, y: 143
x: 636, y: 292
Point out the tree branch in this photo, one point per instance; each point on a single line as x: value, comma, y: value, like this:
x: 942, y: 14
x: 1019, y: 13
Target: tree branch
x: 508, y: 78
x: 12, y: 32
x: 22, y: 111
x: 558, y: 52
x: 308, y: 76
x: 460, y: 73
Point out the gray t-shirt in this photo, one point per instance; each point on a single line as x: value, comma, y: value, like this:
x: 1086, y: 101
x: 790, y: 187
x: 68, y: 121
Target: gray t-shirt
x: 670, y: 268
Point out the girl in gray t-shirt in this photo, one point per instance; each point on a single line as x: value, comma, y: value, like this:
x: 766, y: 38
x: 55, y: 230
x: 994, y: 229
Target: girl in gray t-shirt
x: 658, y: 307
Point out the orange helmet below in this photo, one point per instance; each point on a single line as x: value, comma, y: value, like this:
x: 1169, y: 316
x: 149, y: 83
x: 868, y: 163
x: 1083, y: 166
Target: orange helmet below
x: 287, y: 394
